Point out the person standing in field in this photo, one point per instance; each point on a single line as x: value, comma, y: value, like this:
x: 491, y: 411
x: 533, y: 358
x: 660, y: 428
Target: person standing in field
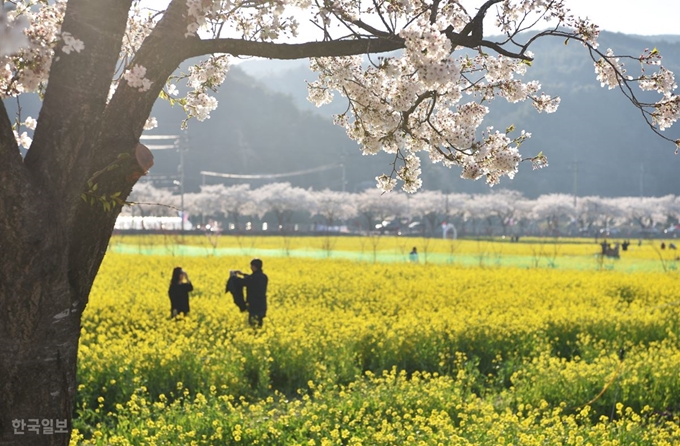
x: 413, y: 255
x: 180, y: 287
x: 256, y: 292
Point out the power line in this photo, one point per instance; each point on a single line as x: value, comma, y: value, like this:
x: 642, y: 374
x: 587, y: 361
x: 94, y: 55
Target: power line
x: 150, y: 137
x: 174, y: 144
x: 273, y: 175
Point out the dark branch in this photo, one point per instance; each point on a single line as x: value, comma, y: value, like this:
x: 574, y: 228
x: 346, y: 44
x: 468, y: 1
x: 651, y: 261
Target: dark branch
x: 434, y: 11
x: 474, y: 27
x: 370, y: 29
x: 76, y: 93
x: 238, y: 47
x: 10, y: 157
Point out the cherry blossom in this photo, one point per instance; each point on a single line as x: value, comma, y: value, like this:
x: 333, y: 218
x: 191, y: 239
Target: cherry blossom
x: 135, y: 78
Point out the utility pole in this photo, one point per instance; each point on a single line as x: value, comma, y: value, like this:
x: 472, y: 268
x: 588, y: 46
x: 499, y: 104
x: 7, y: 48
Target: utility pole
x: 181, y: 144
x: 344, y: 180
x: 183, y: 147
x: 575, y: 184
x: 342, y: 166
x: 642, y: 181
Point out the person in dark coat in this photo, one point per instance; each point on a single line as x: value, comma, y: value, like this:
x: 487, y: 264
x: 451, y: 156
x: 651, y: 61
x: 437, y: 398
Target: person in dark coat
x: 180, y: 287
x: 235, y: 287
x: 256, y: 292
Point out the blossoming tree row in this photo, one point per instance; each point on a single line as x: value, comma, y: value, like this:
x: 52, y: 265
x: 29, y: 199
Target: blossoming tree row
x: 505, y: 210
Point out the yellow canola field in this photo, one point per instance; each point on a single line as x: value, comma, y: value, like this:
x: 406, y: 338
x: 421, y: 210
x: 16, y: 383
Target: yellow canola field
x: 363, y: 353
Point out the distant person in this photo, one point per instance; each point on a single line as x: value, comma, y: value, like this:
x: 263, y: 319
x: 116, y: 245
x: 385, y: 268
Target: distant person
x: 413, y: 255
x: 625, y: 245
x: 256, y: 291
x: 180, y: 287
x: 663, y: 245
x: 605, y: 246
x: 672, y: 246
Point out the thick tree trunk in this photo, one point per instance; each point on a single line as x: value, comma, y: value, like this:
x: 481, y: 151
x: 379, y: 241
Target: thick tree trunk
x: 38, y: 345
x: 40, y: 309
x: 50, y: 260
x: 52, y: 242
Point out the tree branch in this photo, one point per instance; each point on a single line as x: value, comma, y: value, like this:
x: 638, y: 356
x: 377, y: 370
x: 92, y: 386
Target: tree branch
x: 237, y: 47
x: 76, y: 94
x: 474, y: 27
x: 118, y: 160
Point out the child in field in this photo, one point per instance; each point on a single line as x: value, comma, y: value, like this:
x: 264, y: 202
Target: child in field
x: 413, y: 255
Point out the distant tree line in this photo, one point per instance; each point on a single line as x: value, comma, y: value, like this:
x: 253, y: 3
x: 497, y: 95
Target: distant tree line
x: 286, y: 208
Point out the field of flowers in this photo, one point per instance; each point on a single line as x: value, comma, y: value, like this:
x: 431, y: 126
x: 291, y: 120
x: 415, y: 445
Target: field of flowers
x: 382, y: 353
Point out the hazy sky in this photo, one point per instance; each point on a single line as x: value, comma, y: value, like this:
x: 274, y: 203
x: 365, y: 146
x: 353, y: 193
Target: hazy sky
x: 645, y: 17
x: 648, y: 17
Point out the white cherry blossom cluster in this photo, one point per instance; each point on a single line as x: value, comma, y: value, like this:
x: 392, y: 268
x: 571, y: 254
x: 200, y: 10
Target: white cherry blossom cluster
x: 499, y: 79
x: 587, y: 31
x: 71, y: 43
x: 204, y: 76
x: 425, y: 43
x: 666, y: 113
x: 385, y: 182
x: 199, y: 11
x: 135, y: 78
x: 539, y: 161
x: 502, y: 68
x: 545, y: 103
x: 409, y: 174
x: 209, y: 73
x: 514, y: 15
x: 609, y: 70
x: 151, y: 123
x: 494, y: 156
x: 199, y: 105
x: 265, y: 20
x: 22, y: 139
x: 27, y: 70
x: 412, y: 103
x: 140, y: 24
x: 663, y: 82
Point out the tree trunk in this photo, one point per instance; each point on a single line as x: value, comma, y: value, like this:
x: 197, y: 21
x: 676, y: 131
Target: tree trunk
x: 58, y: 208
x: 43, y: 292
x: 44, y: 288
x: 38, y: 346
x: 56, y: 243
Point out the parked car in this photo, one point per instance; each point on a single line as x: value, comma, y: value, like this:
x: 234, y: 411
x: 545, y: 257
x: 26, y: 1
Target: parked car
x: 610, y: 231
x: 672, y: 229
x: 389, y: 227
